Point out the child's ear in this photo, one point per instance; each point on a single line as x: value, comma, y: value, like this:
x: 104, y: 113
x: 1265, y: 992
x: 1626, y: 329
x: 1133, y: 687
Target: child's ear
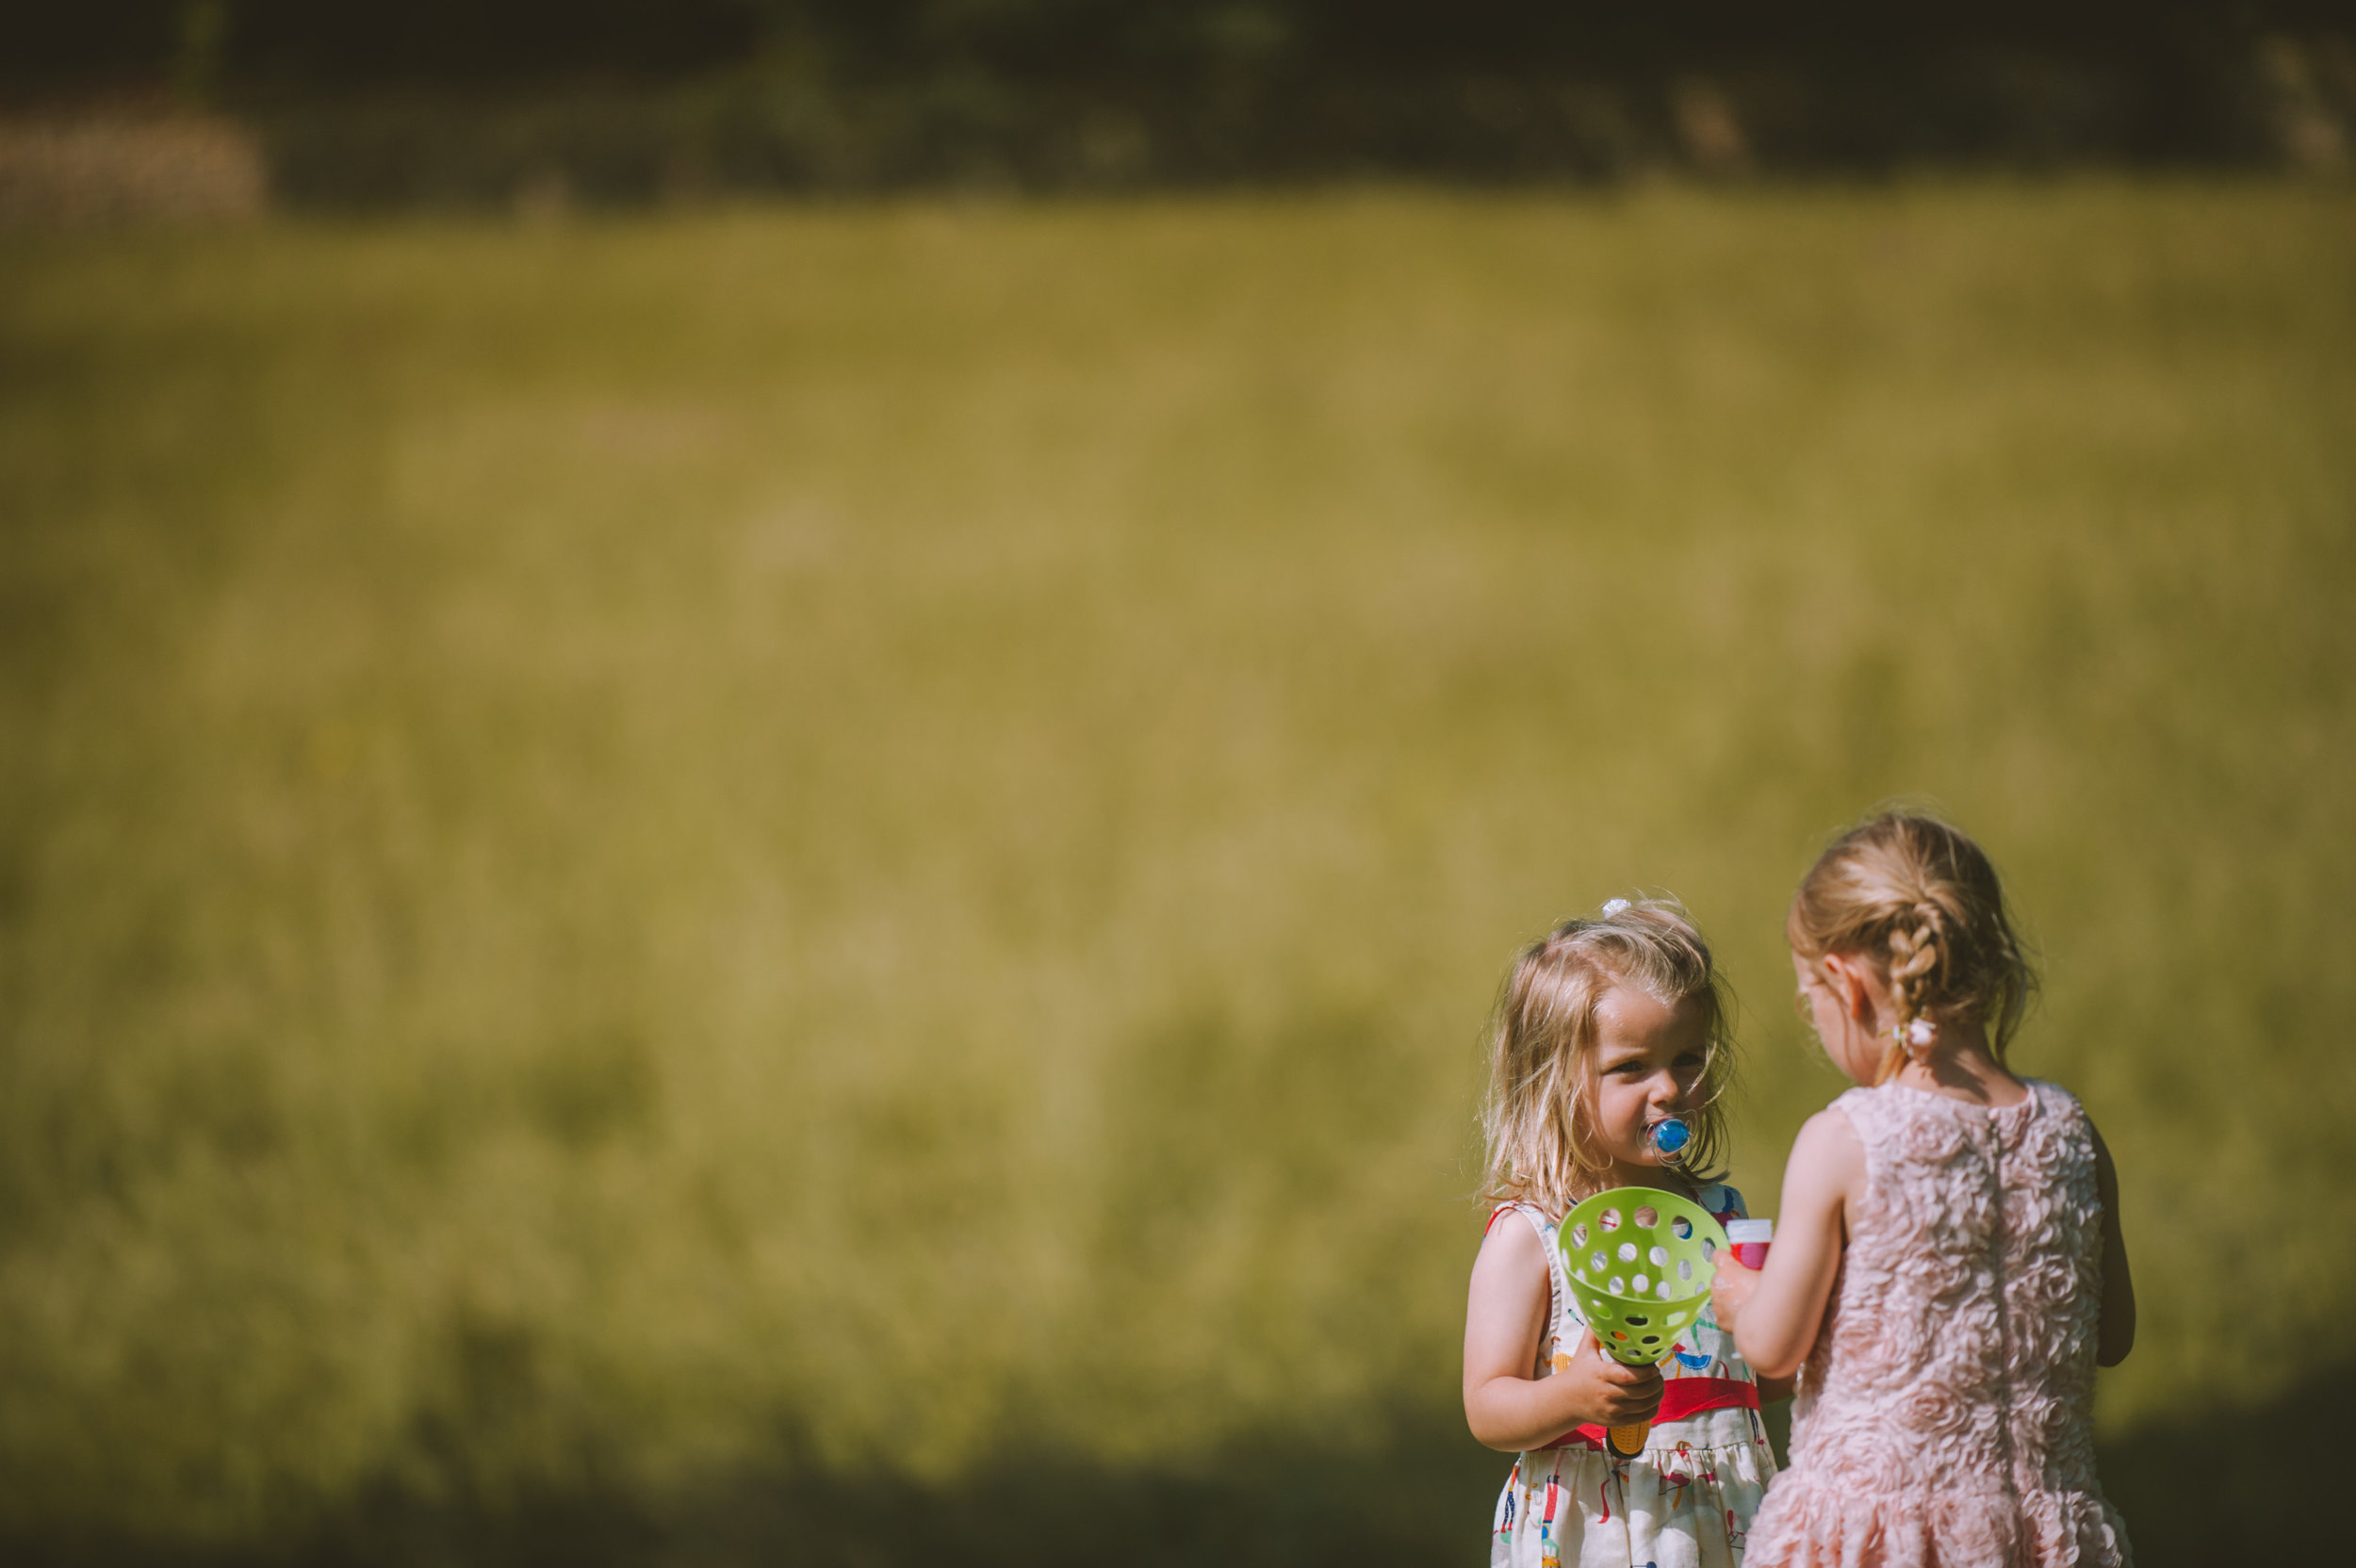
x: 1860, y: 999
x: 1857, y: 993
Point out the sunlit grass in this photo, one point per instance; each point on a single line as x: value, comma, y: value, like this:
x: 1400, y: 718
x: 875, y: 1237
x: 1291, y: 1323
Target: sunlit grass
x: 889, y: 828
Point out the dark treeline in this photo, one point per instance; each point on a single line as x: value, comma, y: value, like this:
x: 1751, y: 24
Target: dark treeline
x: 631, y: 99
x: 1071, y: 41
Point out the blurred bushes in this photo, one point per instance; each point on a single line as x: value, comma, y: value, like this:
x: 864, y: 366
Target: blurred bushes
x: 72, y: 172
x: 614, y: 103
x: 784, y: 125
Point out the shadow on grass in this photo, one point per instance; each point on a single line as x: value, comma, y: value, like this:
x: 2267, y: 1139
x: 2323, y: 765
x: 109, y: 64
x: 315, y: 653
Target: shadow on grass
x: 1420, y: 1497
x: 2247, y: 1486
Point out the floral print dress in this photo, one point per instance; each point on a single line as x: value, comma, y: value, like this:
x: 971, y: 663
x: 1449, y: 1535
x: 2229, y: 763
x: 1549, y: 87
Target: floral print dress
x: 1688, y: 1501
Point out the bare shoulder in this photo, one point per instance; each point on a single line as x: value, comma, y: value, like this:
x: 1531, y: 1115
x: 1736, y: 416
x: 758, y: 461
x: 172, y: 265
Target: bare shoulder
x: 1829, y: 1134
x: 1505, y: 1303
x: 1828, y: 1158
x: 1512, y: 1248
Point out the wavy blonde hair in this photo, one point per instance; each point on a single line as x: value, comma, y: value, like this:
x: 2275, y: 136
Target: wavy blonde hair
x: 1539, y: 1115
x: 1915, y: 898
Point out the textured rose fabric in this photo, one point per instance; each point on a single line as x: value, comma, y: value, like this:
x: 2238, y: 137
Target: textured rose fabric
x: 1944, y: 1416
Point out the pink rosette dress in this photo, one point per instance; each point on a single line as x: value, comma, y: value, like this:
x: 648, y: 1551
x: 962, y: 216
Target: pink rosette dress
x: 1945, y: 1415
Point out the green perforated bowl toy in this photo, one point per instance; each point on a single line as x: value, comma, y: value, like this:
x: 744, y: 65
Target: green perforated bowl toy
x: 1640, y: 1262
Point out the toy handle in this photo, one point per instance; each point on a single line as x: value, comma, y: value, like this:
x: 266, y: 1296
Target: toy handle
x: 1629, y: 1442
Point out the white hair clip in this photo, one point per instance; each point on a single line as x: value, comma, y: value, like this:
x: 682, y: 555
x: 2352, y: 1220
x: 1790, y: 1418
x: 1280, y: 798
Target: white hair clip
x: 1613, y: 907
x: 1918, y: 1033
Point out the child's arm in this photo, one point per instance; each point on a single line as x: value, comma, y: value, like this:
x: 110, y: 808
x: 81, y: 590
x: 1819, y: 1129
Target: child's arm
x: 1773, y: 1312
x: 1507, y: 1408
x: 2114, y: 1330
x: 1771, y: 1390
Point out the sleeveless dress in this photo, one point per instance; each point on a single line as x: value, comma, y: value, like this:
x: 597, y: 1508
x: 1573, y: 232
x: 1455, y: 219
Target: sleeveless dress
x: 1687, y: 1502
x: 1944, y: 1413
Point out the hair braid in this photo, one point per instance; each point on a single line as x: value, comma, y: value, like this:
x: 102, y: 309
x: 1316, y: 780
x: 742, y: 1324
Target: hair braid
x: 1919, y: 901
x: 1919, y: 960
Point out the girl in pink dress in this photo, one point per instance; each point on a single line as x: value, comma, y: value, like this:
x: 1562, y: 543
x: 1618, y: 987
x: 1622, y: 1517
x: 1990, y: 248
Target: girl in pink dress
x: 1948, y: 1271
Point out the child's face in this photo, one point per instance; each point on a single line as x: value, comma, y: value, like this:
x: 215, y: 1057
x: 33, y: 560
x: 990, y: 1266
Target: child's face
x: 1648, y: 1057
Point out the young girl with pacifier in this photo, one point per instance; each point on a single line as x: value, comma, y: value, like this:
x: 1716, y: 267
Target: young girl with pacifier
x: 1948, y: 1271
x: 1606, y: 1030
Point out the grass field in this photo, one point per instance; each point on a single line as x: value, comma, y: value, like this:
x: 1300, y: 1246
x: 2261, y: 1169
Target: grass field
x: 745, y: 878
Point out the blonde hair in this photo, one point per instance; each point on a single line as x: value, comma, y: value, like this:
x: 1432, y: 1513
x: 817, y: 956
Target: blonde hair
x: 1539, y: 1116
x: 1918, y: 901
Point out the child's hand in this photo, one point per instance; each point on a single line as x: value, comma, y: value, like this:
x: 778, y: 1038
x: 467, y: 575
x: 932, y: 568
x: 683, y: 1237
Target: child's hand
x: 1602, y: 1389
x: 1731, y: 1288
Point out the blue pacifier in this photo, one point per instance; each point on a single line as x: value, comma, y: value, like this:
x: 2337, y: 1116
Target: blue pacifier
x: 1668, y: 1138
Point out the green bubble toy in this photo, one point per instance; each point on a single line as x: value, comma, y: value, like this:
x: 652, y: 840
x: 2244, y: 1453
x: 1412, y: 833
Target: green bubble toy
x: 1640, y: 1262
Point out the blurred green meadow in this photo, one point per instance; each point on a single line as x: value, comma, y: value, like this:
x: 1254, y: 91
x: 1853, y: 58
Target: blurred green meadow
x: 771, y: 876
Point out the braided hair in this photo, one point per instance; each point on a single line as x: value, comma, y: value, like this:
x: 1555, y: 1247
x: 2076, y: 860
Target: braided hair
x: 1917, y: 899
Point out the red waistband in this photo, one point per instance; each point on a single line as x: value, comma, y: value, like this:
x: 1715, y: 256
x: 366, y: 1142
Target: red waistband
x: 1680, y: 1399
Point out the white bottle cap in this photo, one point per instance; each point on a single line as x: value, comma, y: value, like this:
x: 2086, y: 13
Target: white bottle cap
x: 1741, y: 1231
